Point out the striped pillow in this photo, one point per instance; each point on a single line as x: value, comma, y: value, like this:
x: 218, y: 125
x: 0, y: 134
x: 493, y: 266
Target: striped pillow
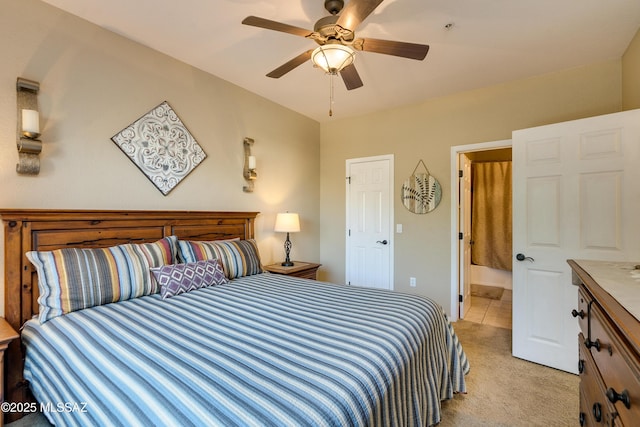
x: 238, y: 257
x: 72, y: 279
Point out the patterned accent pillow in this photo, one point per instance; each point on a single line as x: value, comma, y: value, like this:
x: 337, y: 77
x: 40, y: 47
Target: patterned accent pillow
x: 238, y: 257
x: 179, y: 278
x: 71, y: 279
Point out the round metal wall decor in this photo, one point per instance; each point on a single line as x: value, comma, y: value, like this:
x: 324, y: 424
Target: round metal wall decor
x: 421, y: 192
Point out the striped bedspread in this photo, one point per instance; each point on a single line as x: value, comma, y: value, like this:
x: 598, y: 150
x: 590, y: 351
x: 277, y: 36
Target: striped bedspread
x: 263, y: 350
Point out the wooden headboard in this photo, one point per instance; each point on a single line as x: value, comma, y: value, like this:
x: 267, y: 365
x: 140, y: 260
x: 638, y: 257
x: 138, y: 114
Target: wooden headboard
x: 41, y: 230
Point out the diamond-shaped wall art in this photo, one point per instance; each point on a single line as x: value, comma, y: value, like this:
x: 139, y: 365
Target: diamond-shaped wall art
x: 161, y: 146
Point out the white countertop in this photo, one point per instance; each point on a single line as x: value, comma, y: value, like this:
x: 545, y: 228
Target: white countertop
x: 620, y: 279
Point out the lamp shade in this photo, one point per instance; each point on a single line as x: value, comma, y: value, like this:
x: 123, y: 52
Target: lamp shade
x: 332, y: 57
x: 287, y: 223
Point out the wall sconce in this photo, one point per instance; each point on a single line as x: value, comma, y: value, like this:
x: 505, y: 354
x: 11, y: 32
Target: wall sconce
x: 29, y: 146
x: 249, y: 171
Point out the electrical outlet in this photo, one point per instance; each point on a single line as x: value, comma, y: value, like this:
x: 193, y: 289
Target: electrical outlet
x: 412, y: 282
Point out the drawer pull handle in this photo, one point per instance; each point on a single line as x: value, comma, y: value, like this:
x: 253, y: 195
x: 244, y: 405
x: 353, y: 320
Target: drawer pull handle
x: 623, y: 397
x: 588, y: 343
x: 597, y: 412
x: 583, y: 418
x: 581, y: 366
x: 576, y: 313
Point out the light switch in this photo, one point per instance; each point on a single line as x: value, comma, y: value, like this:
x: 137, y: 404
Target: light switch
x: 398, y: 228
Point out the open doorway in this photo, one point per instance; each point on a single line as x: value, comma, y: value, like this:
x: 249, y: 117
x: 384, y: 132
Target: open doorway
x: 481, y: 233
x: 490, y: 251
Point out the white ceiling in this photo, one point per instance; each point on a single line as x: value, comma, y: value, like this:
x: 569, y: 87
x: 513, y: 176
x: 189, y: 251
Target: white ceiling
x: 490, y: 42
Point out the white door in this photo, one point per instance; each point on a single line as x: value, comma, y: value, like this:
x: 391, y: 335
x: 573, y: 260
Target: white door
x: 369, y: 247
x: 575, y: 196
x: 464, y: 184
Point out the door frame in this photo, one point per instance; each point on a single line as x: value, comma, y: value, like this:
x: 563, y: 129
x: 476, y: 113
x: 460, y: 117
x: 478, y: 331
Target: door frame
x: 348, y: 163
x: 456, y: 256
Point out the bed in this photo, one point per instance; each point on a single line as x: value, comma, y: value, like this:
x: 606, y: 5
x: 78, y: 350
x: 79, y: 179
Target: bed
x: 256, y: 349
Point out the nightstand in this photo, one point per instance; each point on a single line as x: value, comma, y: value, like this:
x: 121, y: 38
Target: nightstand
x: 306, y: 270
x: 7, y: 334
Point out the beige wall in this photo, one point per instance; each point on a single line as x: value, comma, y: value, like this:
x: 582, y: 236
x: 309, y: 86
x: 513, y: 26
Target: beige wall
x: 93, y: 83
x: 428, y: 131
x: 631, y: 75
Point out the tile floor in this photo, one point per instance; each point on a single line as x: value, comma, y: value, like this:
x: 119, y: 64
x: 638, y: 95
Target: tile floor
x: 491, y: 312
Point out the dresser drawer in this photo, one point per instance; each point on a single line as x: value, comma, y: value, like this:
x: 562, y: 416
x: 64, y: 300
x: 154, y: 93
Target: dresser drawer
x: 617, y: 366
x: 595, y: 408
x: 582, y: 312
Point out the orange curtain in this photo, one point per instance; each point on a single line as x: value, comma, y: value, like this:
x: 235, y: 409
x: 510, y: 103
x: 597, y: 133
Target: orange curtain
x: 491, y: 214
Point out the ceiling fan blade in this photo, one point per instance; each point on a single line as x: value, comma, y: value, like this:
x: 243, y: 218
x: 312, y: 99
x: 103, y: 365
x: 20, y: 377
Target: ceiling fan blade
x: 276, y: 26
x: 351, y: 77
x: 389, y: 47
x: 355, y: 12
x: 290, y: 65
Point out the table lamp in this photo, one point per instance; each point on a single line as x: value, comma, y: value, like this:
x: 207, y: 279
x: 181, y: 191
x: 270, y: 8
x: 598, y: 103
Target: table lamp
x: 287, y: 223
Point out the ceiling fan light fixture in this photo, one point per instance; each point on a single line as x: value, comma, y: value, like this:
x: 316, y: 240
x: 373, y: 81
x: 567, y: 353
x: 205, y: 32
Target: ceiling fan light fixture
x: 332, y: 58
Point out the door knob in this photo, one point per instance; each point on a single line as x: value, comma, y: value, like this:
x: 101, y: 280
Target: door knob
x: 522, y: 257
x: 384, y: 242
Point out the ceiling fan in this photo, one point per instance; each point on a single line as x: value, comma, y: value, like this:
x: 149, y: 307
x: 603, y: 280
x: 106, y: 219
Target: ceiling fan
x: 335, y: 35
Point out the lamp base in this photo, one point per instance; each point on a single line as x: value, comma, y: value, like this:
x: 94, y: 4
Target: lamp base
x: 287, y: 249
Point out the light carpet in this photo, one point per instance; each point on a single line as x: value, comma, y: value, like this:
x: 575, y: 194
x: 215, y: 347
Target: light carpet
x: 503, y: 390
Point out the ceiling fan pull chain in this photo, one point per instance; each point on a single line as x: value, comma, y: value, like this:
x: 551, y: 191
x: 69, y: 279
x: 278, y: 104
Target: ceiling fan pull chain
x: 331, y: 94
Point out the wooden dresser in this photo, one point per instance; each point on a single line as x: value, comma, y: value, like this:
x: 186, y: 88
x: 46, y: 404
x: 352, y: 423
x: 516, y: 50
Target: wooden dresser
x: 609, y: 343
